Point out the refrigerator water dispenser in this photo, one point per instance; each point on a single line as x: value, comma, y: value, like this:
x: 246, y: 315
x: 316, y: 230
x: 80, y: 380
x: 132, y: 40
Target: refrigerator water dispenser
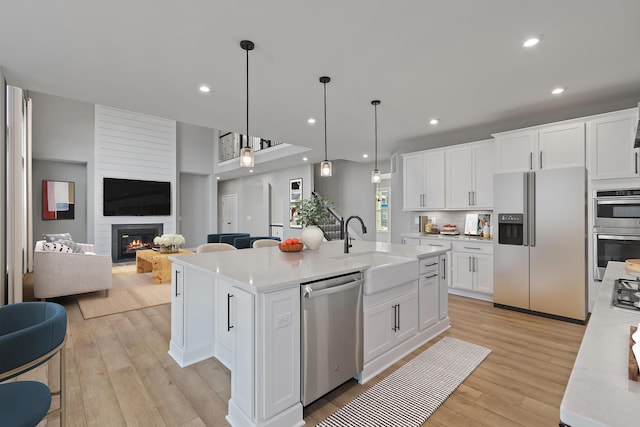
x: 510, y: 229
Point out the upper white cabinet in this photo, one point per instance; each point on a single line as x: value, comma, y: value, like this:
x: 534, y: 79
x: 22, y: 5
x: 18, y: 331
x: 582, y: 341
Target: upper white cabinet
x: 545, y: 147
x: 423, y: 179
x: 611, y: 138
x: 469, y: 172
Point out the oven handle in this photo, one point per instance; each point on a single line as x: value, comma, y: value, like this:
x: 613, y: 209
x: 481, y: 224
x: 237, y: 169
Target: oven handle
x: 612, y: 237
x: 625, y: 201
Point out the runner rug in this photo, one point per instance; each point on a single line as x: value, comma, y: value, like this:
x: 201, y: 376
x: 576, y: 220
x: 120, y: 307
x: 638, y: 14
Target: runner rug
x: 409, y: 396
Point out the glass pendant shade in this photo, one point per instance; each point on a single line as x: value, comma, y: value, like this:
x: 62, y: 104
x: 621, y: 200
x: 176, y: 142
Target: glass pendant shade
x: 325, y: 168
x: 375, y: 176
x: 246, y: 157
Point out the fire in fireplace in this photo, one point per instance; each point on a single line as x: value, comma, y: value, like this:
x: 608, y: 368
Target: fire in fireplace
x: 127, y: 239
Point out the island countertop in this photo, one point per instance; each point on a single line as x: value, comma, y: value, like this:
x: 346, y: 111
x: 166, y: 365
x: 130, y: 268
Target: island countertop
x: 598, y: 392
x: 268, y: 269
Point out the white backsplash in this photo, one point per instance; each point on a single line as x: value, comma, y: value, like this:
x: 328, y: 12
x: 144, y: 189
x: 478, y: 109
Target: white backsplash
x: 444, y: 217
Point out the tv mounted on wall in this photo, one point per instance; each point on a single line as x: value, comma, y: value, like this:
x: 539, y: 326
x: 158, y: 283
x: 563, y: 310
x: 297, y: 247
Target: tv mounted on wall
x: 131, y: 197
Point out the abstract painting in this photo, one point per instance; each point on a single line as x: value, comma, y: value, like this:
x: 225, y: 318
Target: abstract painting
x: 58, y: 200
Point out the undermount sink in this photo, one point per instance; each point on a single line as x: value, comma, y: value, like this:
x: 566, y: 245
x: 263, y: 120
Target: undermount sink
x: 385, y: 271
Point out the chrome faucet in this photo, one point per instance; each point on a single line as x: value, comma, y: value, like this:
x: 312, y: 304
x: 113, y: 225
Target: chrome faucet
x: 347, y: 245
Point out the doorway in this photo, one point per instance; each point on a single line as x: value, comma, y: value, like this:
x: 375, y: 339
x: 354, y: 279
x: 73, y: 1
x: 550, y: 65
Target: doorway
x: 229, y: 213
x: 194, y: 209
x: 383, y: 210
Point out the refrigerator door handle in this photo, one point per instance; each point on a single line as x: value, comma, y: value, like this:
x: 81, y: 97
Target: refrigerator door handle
x: 530, y: 161
x: 540, y: 165
x: 532, y: 210
x: 525, y: 210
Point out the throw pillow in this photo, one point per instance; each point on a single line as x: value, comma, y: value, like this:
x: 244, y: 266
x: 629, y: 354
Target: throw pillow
x: 55, y: 237
x: 56, y: 247
x: 75, y: 247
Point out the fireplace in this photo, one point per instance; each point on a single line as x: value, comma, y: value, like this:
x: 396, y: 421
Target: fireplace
x: 127, y: 239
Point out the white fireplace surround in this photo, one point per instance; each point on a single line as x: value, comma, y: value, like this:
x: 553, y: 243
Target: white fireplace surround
x: 132, y: 146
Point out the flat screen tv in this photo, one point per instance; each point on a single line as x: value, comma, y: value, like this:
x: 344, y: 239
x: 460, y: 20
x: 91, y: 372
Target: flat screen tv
x: 131, y: 197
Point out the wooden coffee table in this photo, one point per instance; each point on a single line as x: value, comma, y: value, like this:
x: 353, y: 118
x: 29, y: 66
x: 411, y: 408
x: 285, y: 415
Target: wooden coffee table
x: 157, y: 263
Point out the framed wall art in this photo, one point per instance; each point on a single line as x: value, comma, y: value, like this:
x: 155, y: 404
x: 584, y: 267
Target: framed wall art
x: 58, y: 200
x: 295, y: 197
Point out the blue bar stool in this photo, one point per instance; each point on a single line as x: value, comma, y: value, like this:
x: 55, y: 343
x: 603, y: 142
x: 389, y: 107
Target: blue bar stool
x: 31, y: 333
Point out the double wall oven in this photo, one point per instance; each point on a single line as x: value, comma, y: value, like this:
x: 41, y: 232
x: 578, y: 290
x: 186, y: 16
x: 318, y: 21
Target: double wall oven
x: 616, y: 231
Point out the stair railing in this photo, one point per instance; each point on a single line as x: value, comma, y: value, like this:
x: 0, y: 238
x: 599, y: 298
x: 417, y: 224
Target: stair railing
x: 336, y: 216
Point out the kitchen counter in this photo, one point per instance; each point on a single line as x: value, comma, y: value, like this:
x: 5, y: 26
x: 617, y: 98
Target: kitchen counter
x: 268, y: 269
x: 454, y: 237
x: 599, y: 392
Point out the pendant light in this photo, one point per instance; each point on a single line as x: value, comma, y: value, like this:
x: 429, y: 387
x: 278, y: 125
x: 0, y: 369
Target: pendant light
x: 375, y: 174
x: 246, y: 153
x: 325, y: 166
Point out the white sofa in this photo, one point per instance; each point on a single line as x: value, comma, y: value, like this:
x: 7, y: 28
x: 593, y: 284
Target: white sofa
x: 61, y: 274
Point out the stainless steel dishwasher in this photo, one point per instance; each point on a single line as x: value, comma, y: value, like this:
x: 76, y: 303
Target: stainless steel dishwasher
x: 332, y: 343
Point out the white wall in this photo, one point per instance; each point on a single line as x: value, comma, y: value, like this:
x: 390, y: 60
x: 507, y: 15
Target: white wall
x: 132, y: 146
x: 63, y: 131
x: 256, y: 206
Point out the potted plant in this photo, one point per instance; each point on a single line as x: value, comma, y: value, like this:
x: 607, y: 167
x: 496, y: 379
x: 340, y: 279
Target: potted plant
x: 310, y: 213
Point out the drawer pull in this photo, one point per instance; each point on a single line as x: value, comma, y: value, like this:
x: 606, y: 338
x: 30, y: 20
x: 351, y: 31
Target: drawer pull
x: 475, y: 249
x: 433, y: 275
x: 431, y: 265
x: 433, y: 244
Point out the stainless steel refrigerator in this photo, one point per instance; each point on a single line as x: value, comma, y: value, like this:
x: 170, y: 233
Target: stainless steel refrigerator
x: 539, y: 261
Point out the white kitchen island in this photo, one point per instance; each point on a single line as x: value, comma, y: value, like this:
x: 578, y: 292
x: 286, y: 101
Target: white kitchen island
x: 599, y: 392
x: 243, y: 307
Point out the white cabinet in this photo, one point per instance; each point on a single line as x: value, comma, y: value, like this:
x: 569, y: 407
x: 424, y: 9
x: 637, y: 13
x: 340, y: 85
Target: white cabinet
x: 225, y: 315
x: 469, y: 169
x: 428, y: 292
x: 241, y: 329
x: 423, y: 180
x: 192, y: 317
x: 411, y: 241
x: 611, y: 139
x: 177, y: 306
x: 391, y: 322
x: 545, y: 147
x: 472, y: 266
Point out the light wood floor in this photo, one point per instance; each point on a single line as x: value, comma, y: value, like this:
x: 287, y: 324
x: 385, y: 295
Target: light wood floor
x: 119, y: 372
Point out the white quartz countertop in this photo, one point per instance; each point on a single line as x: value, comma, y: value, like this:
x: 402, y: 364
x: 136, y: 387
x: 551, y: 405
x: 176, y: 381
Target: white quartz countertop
x: 268, y: 269
x: 599, y: 392
x: 455, y: 237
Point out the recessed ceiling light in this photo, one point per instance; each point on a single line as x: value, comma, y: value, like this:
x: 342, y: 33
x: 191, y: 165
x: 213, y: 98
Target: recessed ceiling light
x: 250, y: 170
x: 557, y: 91
x: 217, y: 177
x: 304, y: 159
x: 365, y: 155
x: 311, y: 121
x: 205, y: 89
x: 434, y: 121
x: 530, y: 42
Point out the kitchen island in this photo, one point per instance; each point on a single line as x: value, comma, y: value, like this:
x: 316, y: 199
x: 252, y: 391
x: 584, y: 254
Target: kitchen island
x: 243, y: 307
x: 599, y: 392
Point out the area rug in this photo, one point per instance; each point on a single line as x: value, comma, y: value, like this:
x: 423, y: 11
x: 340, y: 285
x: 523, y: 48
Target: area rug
x: 411, y: 394
x: 130, y: 291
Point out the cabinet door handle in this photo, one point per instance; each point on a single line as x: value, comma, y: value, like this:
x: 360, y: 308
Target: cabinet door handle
x: 398, y: 316
x: 177, y: 293
x: 474, y: 198
x: 433, y: 244
x: 444, y: 268
x: 469, y: 267
x: 395, y: 318
x: 469, y: 197
x: 636, y: 160
x: 540, y: 156
x: 229, y: 326
x: 530, y: 161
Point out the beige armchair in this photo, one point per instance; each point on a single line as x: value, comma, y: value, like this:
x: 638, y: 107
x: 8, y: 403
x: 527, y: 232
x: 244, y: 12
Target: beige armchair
x: 60, y: 274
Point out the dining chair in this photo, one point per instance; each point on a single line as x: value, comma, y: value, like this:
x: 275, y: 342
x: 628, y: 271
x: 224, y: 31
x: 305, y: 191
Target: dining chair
x: 215, y: 247
x: 263, y: 243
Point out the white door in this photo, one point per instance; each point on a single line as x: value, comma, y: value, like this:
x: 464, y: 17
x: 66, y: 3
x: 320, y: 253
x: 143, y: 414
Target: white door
x: 413, y: 181
x: 483, y: 169
x: 514, y: 151
x: 378, y: 330
x: 458, y: 181
x: 229, y: 213
x: 483, y: 265
x: 462, y: 270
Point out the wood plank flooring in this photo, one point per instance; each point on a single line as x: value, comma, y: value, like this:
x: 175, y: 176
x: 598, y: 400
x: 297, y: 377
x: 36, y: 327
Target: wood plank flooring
x: 119, y: 372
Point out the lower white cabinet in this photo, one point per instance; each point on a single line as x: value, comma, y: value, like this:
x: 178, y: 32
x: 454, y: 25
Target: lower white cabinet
x: 225, y: 311
x: 240, y: 335
x: 472, y: 266
x: 428, y: 292
x: 192, y: 316
x: 390, y: 322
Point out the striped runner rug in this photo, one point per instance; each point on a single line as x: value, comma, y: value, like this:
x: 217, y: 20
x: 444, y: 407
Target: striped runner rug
x: 412, y: 393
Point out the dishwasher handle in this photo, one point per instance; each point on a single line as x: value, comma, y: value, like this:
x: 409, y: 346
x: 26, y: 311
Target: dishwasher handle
x: 309, y: 292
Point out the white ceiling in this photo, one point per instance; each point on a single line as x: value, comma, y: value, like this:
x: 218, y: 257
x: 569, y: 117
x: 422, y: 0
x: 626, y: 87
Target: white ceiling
x: 459, y: 60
